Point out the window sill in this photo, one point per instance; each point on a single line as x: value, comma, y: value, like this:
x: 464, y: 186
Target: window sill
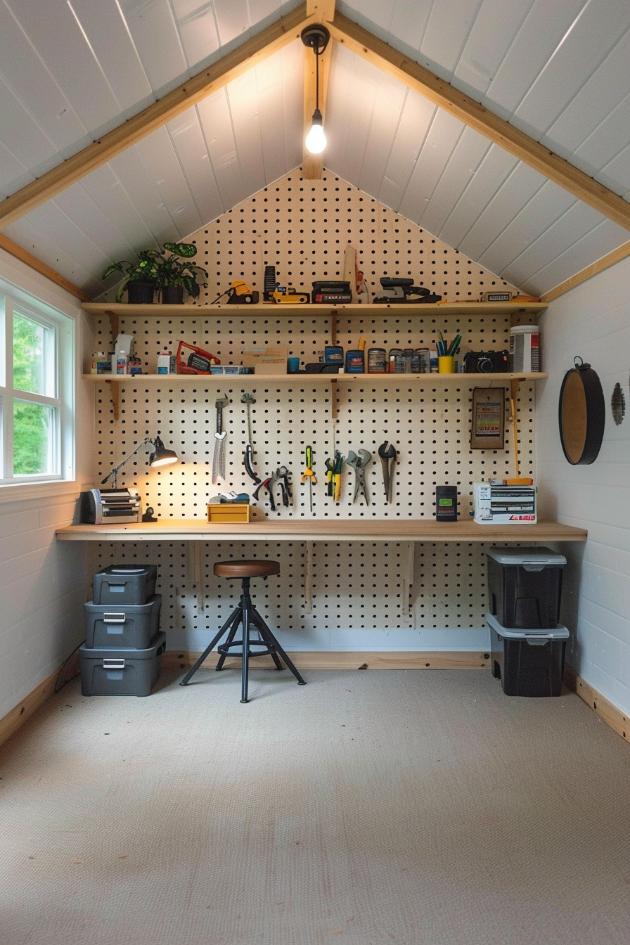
x: 19, y: 492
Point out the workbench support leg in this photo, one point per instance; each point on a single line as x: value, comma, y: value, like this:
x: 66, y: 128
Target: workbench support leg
x: 197, y: 569
x: 308, y: 577
x: 409, y: 576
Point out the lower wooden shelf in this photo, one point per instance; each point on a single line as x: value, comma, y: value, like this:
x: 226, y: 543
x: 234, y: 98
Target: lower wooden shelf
x: 305, y: 530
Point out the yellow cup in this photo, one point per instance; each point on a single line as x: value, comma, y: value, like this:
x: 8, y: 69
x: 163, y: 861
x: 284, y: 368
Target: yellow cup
x: 446, y: 364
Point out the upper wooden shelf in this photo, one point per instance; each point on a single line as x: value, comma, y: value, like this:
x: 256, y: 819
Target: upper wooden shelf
x: 393, y: 529
x: 295, y: 380
x: 275, y: 311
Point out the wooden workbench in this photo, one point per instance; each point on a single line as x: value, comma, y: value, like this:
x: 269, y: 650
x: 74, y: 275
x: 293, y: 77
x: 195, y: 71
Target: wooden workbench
x: 308, y: 530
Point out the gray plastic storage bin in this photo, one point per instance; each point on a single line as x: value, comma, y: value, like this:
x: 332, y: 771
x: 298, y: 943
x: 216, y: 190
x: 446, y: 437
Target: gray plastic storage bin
x: 118, y: 671
x: 528, y: 662
x: 525, y: 585
x: 133, y: 625
x: 125, y: 584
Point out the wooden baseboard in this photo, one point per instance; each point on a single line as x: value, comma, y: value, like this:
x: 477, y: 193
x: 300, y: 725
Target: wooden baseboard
x: 606, y: 710
x: 390, y: 659
x: 20, y: 713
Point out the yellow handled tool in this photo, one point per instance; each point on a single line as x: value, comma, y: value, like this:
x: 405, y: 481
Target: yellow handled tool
x: 309, y: 475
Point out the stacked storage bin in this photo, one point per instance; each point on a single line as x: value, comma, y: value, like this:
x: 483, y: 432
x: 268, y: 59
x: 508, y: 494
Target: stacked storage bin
x: 528, y: 643
x: 123, y: 643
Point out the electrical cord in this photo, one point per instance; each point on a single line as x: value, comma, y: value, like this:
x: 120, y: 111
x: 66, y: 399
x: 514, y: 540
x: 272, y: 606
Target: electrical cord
x: 58, y: 684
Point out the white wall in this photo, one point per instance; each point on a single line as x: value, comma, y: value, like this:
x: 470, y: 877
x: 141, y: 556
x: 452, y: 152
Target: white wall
x: 592, y: 321
x: 42, y: 582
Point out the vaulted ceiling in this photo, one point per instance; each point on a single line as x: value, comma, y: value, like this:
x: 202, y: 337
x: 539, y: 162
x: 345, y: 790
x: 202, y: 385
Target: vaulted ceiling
x: 70, y: 70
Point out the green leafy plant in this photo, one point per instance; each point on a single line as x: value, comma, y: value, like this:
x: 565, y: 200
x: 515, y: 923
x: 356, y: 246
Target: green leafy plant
x: 174, y: 269
x: 144, y: 268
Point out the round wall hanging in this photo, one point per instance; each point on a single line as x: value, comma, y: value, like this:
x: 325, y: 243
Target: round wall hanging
x: 581, y: 414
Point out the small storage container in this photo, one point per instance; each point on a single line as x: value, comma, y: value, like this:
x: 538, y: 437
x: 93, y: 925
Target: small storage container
x: 528, y: 662
x: 129, y: 625
x: 111, y: 671
x: 125, y: 584
x: 229, y: 513
x: 524, y: 586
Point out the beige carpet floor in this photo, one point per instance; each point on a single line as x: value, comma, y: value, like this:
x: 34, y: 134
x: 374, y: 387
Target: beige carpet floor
x: 367, y: 808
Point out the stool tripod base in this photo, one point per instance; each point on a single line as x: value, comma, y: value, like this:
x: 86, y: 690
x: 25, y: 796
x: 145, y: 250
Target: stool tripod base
x: 246, y: 617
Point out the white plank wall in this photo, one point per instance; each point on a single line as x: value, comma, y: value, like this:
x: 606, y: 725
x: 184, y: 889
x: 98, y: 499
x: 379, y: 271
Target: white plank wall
x: 592, y: 321
x: 42, y: 583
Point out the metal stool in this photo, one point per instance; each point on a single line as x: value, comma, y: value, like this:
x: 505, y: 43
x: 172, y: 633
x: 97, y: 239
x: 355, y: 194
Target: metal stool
x: 247, y: 616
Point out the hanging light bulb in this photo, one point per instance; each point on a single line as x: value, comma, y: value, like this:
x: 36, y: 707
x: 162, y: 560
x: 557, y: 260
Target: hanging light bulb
x: 316, y: 38
x: 315, y: 140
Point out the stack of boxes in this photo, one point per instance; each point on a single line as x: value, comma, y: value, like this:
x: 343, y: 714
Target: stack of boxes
x: 123, y: 643
x: 528, y: 643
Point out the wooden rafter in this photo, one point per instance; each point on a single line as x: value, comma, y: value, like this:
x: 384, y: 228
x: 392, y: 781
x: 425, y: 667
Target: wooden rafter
x: 34, y: 263
x: 322, y: 11
x: 600, y: 265
x: 472, y: 113
x: 253, y: 51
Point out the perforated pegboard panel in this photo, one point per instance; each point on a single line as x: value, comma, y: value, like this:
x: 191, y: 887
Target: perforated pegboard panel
x: 356, y: 586
x: 303, y: 227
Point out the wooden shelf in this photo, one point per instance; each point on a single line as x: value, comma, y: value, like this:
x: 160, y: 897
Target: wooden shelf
x: 278, y: 311
x: 373, y: 530
x: 295, y: 380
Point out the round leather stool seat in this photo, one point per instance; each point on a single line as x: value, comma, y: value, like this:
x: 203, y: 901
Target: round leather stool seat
x: 243, y: 569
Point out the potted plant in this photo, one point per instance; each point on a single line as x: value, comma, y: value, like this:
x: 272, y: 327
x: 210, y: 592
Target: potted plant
x: 176, y: 275
x: 141, y: 276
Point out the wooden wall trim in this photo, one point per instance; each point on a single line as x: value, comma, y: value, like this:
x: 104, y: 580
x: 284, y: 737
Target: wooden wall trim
x: 354, y: 660
x: 607, y: 711
x: 600, y: 265
x: 43, y: 268
x: 28, y: 706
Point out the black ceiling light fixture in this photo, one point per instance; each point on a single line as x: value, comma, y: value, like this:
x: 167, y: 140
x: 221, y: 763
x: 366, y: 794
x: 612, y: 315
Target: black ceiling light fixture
x: 316, y: 37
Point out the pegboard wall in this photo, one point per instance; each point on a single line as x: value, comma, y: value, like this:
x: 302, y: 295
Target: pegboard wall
x: 356, y: 586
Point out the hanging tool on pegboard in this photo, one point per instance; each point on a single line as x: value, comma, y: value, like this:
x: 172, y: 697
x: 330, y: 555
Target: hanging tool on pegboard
x: 248, y: 456
x: 360, y: 463
x: 220, y: 436
x: 388, y: 454
x: 309, y: 476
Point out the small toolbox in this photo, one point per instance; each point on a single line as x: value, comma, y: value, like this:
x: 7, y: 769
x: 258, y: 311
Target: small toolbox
x: 131, y: 625
x: 114, y: 671
x: 124, y: 584
x: 226, y: 513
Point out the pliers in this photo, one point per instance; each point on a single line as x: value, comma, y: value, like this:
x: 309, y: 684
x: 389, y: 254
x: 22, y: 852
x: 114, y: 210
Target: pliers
x: 360, y: 463
x: 388, y: 454
x: 268, y: 485
x: 281, y: 475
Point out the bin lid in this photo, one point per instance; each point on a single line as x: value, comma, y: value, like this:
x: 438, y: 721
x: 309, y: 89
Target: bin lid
x: 534, y: 557
x: 542, y: 633
x: 123, y: 652
x: 129, y: 569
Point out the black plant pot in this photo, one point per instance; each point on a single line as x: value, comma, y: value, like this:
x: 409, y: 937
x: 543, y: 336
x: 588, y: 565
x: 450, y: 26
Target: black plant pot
x: 173, y: 294
x: 140, y: 292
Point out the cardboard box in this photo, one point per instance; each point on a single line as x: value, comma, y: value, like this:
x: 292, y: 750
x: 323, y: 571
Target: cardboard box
x: 267, y: 360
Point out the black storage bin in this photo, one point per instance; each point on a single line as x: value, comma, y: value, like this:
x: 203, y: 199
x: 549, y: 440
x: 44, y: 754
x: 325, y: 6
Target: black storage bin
x: 125, y: 584
x: 528, y: 662
x: 128, y: 625
x: 111, y: 671
x: 524, y: 586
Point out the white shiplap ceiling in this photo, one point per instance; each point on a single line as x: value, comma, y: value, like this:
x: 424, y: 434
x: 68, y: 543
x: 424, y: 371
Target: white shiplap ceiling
x: 559, y: 70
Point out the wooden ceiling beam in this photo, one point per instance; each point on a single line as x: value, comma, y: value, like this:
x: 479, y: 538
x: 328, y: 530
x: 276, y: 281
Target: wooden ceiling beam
x: 600, y: 265
x: 472, y: 113
x: 322, y: 11
x: 243, y: 57
x: 34, y: 263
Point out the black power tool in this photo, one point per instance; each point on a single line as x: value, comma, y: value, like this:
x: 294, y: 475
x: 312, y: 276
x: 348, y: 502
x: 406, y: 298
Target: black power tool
x: 403, y: 291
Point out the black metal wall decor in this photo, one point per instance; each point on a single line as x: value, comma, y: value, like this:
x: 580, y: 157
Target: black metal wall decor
x: 581, y: 414
x: 618, y: 404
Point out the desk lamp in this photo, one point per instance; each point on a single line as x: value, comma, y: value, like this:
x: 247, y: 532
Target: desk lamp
x: 159, y: 457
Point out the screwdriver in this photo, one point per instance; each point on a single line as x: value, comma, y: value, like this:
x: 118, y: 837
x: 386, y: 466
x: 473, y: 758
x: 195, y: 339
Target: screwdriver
x: 310, y: 475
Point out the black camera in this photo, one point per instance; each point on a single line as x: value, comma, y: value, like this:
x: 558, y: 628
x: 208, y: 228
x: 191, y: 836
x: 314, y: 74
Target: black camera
x: 486, y: 362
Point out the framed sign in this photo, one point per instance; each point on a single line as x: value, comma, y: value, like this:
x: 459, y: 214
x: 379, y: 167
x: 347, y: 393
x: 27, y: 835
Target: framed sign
x: 488, y: 419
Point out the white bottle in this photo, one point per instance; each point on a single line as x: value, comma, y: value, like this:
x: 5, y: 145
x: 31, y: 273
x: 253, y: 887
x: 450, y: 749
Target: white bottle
x: 164, y: 363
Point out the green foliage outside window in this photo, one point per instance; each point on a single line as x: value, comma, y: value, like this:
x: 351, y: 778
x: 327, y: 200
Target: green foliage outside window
x: 31, y: 422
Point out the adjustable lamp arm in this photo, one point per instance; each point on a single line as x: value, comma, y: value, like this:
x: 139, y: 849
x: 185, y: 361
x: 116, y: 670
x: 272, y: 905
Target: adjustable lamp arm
x: 114, y: 472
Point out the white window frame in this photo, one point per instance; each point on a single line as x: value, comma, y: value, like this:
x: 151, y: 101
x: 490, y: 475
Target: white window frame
x: 13, y: 299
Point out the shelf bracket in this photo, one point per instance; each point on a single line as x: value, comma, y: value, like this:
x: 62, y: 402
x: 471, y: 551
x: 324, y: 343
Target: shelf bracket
x: 333, y: 327
x: 114, y: 324
x: 334, y: 398
x: 308, y: 577
x: 114, y: 393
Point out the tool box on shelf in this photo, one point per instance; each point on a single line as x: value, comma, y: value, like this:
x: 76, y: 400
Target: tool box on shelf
x: 120, y: 671
x: 229, y: 512
x: 124, y: 584
x: 525, y: 585
x: 128, y: 625
x: 529, y: 661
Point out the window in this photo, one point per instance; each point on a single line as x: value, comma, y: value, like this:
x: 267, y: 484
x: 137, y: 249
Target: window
x: 36, y: 390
